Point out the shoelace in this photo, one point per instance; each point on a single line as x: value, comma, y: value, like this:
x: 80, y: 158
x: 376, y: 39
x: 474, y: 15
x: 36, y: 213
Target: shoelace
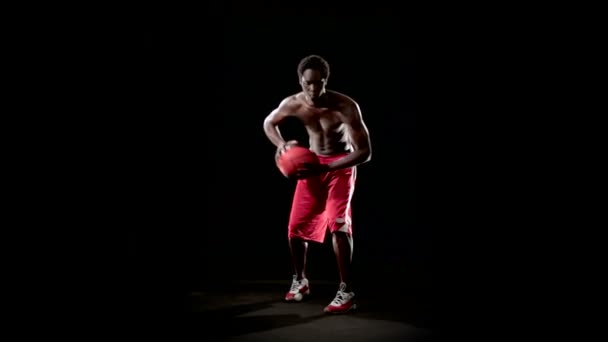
x: 340, y: 298
x: 295, y: 284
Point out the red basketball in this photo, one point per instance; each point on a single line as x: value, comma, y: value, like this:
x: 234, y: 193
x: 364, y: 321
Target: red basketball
x: 290, y: 160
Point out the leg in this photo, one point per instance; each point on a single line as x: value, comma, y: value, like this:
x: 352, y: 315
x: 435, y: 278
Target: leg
x: 345, y: 298
x: 299, y: 286
x: 304, y: 221
x: 299, y: 249
x: 341, y: 187
x: 343, y: 248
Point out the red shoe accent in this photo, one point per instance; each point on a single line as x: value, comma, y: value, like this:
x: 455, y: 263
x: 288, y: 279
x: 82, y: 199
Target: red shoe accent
x: 344, y: 302
x: 298, y: 290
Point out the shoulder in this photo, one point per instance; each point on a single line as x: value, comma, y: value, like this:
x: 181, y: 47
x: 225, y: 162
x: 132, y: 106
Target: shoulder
x: 343, y: 101
x: 290, y: 102
x: 346, y: 104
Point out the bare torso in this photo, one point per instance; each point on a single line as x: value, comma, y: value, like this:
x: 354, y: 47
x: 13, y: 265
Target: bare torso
x: 324, y: 122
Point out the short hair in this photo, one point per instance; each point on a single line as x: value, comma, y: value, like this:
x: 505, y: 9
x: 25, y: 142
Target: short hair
x: 314, y: 62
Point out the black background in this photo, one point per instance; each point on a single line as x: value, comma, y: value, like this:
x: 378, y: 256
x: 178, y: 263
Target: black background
x: 165, y: 150
x: 208, y: 204
x: 213, y: 182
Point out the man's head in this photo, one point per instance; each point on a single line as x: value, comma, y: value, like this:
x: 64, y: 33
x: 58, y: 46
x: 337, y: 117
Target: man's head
x: 313, y: 71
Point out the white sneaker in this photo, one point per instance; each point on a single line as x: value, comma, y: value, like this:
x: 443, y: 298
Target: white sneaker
x: 343, y: 302
x: 299, y: 288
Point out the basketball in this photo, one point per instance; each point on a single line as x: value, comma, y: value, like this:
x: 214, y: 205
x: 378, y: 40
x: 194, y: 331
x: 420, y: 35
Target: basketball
x: 290, y: 161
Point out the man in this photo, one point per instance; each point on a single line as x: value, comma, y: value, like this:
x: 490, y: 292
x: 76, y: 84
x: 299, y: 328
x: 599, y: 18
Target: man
x: 322, y: 199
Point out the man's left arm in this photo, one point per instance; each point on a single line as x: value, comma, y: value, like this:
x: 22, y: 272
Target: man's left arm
x: 358, y: 137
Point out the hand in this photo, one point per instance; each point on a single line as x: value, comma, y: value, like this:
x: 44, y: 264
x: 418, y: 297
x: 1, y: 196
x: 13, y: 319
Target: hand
x: 311, y: 170
x: 284, y: 148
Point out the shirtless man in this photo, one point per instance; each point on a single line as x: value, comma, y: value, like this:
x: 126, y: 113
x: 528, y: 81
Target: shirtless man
x: 322, y: 199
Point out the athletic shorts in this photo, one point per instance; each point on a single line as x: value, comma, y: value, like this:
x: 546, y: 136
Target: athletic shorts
x: 323, y: 202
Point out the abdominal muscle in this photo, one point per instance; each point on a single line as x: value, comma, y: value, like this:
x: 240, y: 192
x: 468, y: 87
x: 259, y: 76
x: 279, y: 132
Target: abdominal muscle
x: 327, y: 144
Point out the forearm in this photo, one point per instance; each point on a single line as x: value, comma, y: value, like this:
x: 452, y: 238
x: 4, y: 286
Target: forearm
x: 273, y: 134
x: 352, y: 159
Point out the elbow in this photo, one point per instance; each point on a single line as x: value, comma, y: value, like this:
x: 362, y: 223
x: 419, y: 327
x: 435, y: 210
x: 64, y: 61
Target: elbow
x: 367, y: 155
x: 267, y: 125
x: 364, y: 154
x: 270, y: 122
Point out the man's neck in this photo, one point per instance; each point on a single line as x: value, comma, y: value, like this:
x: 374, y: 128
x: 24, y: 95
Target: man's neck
x: 321, y: 101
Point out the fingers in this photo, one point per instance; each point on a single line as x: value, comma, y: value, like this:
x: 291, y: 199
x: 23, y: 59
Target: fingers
x: 280, y: 150
x: 289, y: 144
x: 283, y: 147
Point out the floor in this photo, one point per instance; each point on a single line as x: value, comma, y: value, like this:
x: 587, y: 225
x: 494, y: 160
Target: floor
x: 256, y: 311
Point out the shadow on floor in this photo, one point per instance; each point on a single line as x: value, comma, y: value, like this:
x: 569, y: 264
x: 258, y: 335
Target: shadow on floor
x: 251, y: 309
x: 232, y: 321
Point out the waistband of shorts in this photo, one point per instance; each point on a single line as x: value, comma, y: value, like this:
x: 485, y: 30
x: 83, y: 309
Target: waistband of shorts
x: 326, y: 157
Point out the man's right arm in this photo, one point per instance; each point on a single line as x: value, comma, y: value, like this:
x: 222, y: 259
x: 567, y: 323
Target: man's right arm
x: 272, y: 121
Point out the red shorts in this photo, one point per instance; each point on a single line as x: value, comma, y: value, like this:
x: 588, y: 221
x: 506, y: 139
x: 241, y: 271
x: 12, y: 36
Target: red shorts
x: 323, y: 202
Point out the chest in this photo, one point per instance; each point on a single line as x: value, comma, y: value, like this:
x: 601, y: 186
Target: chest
x: 322, y: 118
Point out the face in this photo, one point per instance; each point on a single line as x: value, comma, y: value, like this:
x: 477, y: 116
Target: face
x: 312, y: 83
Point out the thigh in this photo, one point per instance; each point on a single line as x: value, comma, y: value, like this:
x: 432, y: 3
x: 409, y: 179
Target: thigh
x: 340, y: 190
x: 307, y: 218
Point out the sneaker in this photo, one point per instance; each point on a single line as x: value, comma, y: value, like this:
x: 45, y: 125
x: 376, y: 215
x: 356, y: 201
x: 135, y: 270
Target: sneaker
x: 299, y: 288
x: 343, y: 302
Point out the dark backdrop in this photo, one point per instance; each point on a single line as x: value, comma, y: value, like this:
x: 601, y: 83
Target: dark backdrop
x: 208, y: 203
x: 444, y: 197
